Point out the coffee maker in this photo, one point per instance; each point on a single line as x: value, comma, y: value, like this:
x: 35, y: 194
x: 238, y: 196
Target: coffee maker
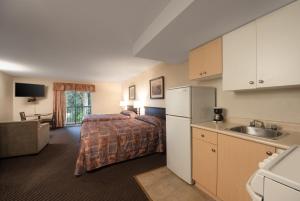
x: 218, y: 116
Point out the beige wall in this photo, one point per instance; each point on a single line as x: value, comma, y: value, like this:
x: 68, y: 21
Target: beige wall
x: 106, y: 99
x: 6, y: 95
x: 268, y: 104
x: 174, y: 75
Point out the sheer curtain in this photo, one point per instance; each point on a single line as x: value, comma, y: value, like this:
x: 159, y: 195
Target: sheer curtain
x: 59, y: 100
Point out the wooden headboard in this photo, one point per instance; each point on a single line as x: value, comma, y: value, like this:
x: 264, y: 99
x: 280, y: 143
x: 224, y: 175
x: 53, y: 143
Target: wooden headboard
x: 156, y: 111
x: 131, y: 108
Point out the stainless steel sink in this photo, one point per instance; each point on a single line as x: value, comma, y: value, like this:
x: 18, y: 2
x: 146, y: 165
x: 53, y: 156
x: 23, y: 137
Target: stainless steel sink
x: 259, y: 132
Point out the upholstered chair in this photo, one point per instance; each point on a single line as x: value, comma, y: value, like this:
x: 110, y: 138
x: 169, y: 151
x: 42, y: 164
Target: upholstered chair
x: 22, y: 138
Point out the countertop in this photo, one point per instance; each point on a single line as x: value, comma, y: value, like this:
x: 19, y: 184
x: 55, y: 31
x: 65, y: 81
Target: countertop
x: 283, y: 142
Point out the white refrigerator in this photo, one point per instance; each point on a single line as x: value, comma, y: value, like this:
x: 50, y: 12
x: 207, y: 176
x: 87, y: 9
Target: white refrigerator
x: 185, y: 105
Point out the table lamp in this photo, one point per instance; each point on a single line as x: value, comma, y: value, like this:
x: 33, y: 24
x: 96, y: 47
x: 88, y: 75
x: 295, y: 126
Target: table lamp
x: 137, y: 105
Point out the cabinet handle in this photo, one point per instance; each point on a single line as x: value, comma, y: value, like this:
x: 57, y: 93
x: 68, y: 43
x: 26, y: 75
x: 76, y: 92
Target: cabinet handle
x: 202, y: 135
x: 260, y: 81
x: 269, y: 153
x: 204, y: 72
x: 200, y: 74
x: 213, y: 150
x: 251, y: 82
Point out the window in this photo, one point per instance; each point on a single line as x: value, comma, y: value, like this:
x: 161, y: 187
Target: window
x: 78, y: 104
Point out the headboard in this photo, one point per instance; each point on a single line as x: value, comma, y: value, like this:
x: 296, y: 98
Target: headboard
x: 156, y: 111
x: 131, y: 108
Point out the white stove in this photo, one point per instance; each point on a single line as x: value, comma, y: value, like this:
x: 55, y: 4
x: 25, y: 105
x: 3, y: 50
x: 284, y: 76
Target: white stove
x: 278, y: 178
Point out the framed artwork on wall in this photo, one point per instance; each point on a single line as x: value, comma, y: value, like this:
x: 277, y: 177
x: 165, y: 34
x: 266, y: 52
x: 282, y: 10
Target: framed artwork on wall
x: 131, y: 92
x: 157, y: 88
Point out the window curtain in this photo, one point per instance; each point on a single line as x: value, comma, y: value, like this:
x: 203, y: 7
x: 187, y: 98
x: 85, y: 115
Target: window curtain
x: 59, y: 108
x: 59, y: 100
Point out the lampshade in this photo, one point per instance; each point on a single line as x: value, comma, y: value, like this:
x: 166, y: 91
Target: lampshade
x: 123, y: 103
x: 137, y: 104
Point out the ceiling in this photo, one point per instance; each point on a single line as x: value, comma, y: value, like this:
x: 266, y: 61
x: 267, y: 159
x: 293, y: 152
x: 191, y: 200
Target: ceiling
x: 74, y: 39
x: 200, y: 22
x: 105, y: 40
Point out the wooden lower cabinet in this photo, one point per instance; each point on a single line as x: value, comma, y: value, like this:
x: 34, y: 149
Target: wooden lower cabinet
x: 204, y: 168
x: 237, y: 161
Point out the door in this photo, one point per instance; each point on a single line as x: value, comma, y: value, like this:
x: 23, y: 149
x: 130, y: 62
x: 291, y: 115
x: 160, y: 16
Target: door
x: 179, y: 147
x: 278, y: 44
x: 239, y: 58
x: 178, y: 102
x: 196, y: 63
x: 205, y: 164
x: 78, y: 104
x: 237, y: 160
x: 213, y: 58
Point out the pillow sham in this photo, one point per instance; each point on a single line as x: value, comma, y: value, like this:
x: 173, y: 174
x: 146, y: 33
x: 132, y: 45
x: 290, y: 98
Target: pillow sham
x: 129, y: 113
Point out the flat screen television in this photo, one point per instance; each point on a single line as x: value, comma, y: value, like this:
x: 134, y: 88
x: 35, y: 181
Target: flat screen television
x: 29, y: 90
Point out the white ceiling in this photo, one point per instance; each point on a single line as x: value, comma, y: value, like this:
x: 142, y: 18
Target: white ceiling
x: 200, y: 22
x: 74, y: 39
x: 94, y: 40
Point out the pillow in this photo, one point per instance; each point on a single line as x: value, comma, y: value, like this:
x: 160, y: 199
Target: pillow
x: 150, y: 119
x: 129, y: 113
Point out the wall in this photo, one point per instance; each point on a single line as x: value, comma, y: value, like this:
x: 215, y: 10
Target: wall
x: 6, y: 95
x: 106, y: 99
x: 175, y: 75
x: 268, y: 104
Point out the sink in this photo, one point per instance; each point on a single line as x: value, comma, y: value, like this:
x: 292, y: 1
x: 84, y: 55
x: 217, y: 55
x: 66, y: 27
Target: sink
x: 259, y: 132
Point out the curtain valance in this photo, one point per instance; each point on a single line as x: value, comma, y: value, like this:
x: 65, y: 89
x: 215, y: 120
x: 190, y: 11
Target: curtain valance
x: 60, y: 86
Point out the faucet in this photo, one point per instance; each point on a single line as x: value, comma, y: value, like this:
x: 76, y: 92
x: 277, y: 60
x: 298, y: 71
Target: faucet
x: 255, y: 122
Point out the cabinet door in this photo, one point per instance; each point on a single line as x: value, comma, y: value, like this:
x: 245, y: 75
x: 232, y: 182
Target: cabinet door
x: 239, y: 58
x: 206, y: 60
x: 205, y: 165
x: 196, y: 63
x: 213, y: 58
x: 237, y: 160
x: 278, y: 44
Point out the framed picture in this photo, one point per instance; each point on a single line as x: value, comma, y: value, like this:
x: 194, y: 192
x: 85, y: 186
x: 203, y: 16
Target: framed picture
x: 157, y: 88
x: 132, y: 92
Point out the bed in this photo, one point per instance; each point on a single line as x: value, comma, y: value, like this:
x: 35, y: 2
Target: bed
x: 106, y: 142
x: 126, y: 114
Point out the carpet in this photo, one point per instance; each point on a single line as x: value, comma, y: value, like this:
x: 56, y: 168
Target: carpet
x: 163, y: 185
x: 49, y: 174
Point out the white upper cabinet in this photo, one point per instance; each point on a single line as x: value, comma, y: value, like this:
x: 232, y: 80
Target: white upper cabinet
x: 264, y: 53
x: 278, y: 47
x: 239, y: 58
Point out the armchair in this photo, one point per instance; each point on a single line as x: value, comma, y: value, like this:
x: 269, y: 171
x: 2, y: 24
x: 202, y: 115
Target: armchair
x: 22, y: 138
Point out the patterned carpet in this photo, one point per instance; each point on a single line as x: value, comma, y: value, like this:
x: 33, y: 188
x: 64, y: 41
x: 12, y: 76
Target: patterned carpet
x: 49, y: 175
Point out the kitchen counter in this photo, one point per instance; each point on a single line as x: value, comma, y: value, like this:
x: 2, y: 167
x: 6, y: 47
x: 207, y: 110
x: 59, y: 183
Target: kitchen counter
x: 283, y: 142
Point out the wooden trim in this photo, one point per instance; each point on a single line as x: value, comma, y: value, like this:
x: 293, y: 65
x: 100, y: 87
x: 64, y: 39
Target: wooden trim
x: 163, y: 87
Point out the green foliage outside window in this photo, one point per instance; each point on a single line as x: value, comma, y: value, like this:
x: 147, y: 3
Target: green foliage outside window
x: 78, y: 104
